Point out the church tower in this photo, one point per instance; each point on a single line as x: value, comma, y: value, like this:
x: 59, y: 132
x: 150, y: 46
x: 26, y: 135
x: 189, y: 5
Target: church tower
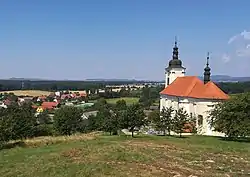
x: 207, y: 71
x: 175, y: 68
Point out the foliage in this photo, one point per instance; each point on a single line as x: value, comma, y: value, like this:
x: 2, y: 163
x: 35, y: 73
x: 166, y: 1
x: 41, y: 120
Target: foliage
x: 234, y: 87
x: 163, y: 120
x: 43, y: 118
x: 17, y: 122
x: 121, y: 105
x: 233, y: 116
x: 68, y: 120
x: 192, y: 123
x: 149, y: 95
x: 179, y: 121
x: 133, y: 118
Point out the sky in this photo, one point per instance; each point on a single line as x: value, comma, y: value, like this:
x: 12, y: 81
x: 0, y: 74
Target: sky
x: 122, y: 39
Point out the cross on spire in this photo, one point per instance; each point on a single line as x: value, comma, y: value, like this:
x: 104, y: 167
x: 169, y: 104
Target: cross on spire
x: 207, y: 59
x: 175, y: 41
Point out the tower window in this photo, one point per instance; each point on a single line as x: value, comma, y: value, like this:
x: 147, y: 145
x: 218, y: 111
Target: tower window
x: 168, y: 81
x: 173, y: 72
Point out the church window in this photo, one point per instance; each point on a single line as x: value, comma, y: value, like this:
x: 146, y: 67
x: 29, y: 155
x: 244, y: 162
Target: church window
x: 200, y: 120
x: 173, y: 72
x: 168, y: 81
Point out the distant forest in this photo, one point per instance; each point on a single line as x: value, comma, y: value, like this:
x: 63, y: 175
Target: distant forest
x: 7, y: 85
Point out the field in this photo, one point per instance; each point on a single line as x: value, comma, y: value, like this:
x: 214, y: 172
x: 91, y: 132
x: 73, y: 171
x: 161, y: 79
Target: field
x: 129, y: 100
x: 146, y: 156
x: 32, y: 93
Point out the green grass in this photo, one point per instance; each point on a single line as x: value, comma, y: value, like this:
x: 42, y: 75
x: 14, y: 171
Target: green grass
x: 125, y: 156
x: 129, y: 100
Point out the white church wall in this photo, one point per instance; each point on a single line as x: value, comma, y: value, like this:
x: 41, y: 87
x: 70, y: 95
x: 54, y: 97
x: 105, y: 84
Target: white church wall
x: 196, y: 107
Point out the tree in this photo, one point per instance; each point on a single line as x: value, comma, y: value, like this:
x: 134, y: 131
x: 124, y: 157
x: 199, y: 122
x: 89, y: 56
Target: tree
x: 17, y: 122
x: 111, y: 123
x: 162, y: 120
x: 68, y: 120
x: 133, y: 118
x: 179, y: 121
x: 121, y: 105
x: 232, y: 117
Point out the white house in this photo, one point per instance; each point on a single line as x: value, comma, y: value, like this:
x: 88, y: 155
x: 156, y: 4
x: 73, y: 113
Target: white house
x: 190, y: 93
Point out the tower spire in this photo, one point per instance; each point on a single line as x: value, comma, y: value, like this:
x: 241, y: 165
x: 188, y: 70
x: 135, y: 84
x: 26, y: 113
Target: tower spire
x: 207, y: 71
x: 175, y: 50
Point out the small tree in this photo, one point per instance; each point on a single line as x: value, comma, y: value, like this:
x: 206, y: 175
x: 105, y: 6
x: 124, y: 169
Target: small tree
x: 121, y: 105
x: 111, y: 123
x: 68, y: 120
x: 180, y: 119
x: 133, y: 118
x: 232, y: 117
x: 166, y: 119
x: 162, y: 120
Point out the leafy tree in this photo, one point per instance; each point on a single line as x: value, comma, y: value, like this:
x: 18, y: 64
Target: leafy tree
x: 121, y: 105
x: 103, y: 119
x: 17, y: 122
x: 179, y: 121
x: 111, y: 123
x: 232, y: 117
x: 163, y: 121
x: 68, y: 120
x: 133, y: 118
x: 44, y: 125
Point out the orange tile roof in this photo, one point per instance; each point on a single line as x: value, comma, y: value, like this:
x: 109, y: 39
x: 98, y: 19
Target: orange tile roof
x: 192, y: 86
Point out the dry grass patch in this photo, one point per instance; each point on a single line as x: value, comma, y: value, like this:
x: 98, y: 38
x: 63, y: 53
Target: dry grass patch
x: 33, y: 93
x: 48, y: 140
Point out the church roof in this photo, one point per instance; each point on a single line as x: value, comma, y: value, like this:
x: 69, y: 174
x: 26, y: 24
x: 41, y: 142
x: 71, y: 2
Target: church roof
x: 192, y: 86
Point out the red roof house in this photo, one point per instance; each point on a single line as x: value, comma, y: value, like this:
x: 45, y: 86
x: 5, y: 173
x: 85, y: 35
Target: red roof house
x: 49, y: 105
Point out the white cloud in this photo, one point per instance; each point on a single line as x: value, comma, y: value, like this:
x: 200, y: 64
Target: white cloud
x: 232, y: 39
x: 245, y: 34
x: 240, y: 46
x: 226, y: 58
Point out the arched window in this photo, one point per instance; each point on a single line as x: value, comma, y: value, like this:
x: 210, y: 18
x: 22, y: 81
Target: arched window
x: 168, y: 81
x: 200, y: 120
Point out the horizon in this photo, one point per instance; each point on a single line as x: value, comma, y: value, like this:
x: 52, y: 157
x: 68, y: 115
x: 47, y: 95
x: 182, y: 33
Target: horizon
x: 122, y: 39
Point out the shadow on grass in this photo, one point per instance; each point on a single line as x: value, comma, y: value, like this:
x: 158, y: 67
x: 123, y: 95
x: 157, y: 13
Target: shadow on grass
x: 13, y: 145
x: 242, y: 140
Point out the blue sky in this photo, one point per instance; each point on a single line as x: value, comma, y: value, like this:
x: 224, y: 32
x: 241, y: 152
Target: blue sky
x: 133, y: 39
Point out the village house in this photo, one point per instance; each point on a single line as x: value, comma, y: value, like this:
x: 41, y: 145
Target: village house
x: 196, y: 97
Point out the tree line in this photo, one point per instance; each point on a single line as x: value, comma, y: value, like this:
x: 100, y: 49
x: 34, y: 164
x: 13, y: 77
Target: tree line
x: 231, y: 117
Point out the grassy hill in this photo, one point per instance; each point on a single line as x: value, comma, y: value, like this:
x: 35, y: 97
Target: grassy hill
x: 99, y: 156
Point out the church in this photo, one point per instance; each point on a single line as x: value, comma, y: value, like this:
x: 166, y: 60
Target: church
x: 195, y: 96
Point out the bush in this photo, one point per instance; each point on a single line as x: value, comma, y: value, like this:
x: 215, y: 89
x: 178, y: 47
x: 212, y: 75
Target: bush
x: 44, y: 130
x: 68, y: 120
